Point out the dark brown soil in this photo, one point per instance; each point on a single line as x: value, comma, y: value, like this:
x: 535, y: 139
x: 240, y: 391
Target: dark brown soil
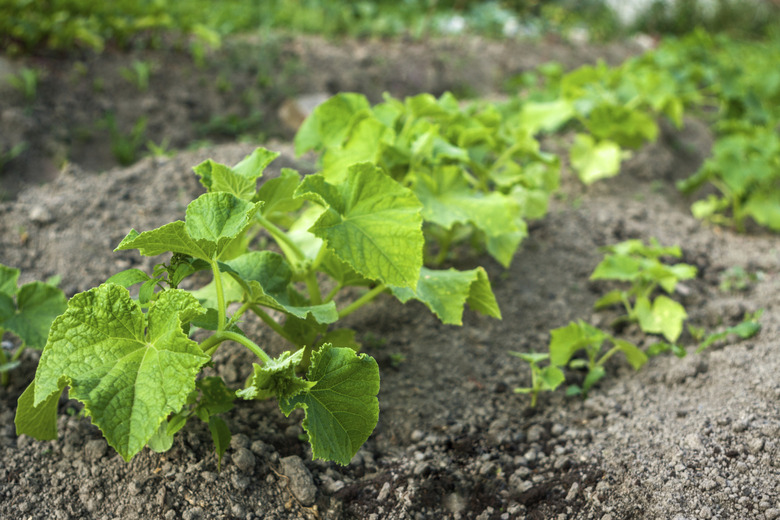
x: 681, y: 439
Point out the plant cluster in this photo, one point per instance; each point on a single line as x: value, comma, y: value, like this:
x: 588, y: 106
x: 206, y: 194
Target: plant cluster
x: 579, y: 346
x: 477, y: 174
x: 134, y: 364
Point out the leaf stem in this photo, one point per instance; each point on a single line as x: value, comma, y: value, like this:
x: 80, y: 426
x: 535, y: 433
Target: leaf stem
x: 367, y: 297
x: 282, y: 239
x: 611, y: 352
x: 221, y: 308
x: 210, y: 344
x: 333, y: 292
x: 240, y: 312
x: 272, y: 323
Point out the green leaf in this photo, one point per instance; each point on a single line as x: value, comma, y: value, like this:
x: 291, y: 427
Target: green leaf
x: 241, y: 180
x: 220, y: 434
x: 665, y: 316
x: 446, y: 292
x: 617, y: 267
x: 565, y: 341
x: 611, y: 298
x: 329, y: 123
x: 253, y: 165
x: 276, y: 378
x: 8, y: 280
x: 37, y: 304
x: 633, y: 354
x: 448, y: 200
x: 212, y: 222
x: 547, y: 116
x: 130, y: 370
x: 277, y: 197
x: 371, y: 222
x: 595, y: 375
x: 129, y: 277
x: 162, y: 440
x: 341, y: 408
x: 551, y: 377
x: 38, y: 421
x: 764, y: 207
x: 215, y: 398
x: 594, y: 161
x: 264, y: 278
x: 363, y: 145
x: 532, y: 358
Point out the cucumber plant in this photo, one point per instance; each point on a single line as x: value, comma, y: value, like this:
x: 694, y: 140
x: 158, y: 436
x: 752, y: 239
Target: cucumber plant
x: 133, y: 362
x: 478, y: 175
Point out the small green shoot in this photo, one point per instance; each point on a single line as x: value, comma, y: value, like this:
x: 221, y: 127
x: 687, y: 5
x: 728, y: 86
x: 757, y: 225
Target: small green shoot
x: 639, y: 264
x: 542, y: 379
x: 736, y: 278
x: 746, y: 329
x: 26, y: 82
x: 138, y: 74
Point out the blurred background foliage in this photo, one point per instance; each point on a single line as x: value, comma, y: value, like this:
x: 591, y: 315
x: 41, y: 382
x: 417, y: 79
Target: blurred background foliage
x: 29, y: 26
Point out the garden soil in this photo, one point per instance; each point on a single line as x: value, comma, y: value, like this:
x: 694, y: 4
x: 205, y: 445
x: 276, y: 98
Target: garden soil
x: 690, y: 438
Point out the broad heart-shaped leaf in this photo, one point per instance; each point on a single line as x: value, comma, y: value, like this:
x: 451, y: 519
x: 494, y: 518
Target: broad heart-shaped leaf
x: 370, y: 222
x: 362, y: 145
x: 448, y: 200
x: 37, y: 304
x: 241, y: 180
x: 277, y: 197
x: 665, y: 316
x: 328, y: 124
x: 276, y: 378
x: 446, y: 292
x: 212, y: 222
x: 594, y: 161
x: 341, y: 408
x: 130, y: 369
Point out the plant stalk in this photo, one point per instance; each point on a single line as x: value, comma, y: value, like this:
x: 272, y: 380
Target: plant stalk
x: 366, y: 298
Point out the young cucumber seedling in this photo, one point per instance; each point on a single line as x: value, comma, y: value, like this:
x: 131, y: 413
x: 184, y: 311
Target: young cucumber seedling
x: 135, y: 367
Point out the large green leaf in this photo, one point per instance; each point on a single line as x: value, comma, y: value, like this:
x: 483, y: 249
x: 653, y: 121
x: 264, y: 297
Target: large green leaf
x: 212, y: 222
x: 37, y: 304
x: 370, y: 222
x: 363, y: 145
x: 446, y: 292
x: 277, y: 197
x: 130, y: 369
x: 341, y: 407
x: 329, y: 123
x: 593, y: 161
x: 448, y: 200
